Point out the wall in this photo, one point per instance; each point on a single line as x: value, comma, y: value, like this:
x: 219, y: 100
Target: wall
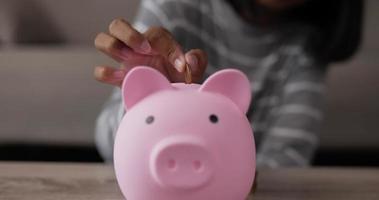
x: 73, y: 21
x: 352, y: 113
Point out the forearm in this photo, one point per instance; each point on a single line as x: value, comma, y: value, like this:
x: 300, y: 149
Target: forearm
x: 107, y: 124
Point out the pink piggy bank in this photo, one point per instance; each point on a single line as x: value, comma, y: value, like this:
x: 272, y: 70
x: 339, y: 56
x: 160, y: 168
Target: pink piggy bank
x: 185, y: 141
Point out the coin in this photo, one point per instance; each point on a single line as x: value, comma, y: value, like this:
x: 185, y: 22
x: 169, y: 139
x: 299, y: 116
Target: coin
x: 188, y: 74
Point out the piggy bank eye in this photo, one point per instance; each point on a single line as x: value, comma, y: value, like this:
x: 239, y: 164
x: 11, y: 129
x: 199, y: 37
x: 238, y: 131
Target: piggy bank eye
x: 213, y: 118
x: 149, y: 119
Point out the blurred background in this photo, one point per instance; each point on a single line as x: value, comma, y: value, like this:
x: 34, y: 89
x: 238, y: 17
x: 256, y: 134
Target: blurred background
x: 49, y: 100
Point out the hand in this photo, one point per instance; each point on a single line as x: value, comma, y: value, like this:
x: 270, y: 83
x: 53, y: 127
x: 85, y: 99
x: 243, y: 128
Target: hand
x: 156, y: 48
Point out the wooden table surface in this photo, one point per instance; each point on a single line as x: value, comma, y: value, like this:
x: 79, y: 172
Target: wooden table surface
x: 57, y: 181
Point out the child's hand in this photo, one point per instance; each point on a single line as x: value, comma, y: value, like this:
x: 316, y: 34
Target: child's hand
x: 156, y: 48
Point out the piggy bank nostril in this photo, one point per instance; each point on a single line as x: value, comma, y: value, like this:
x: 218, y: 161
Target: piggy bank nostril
x: 197, y: 165
x: 171, y: 164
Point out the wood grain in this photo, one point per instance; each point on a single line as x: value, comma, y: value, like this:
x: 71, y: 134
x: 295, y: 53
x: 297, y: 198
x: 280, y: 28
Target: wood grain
x: 45, y: 181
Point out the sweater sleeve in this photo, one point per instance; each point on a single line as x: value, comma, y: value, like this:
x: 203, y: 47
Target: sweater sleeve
x: 292, y: 136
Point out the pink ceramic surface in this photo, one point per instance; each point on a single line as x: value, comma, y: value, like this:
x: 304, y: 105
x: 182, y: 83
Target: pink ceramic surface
x: 187, y: 142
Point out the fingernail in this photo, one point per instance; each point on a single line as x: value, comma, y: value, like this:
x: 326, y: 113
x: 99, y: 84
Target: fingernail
x: 178, y: 64
x: 192, y: 61
x: 120, y: 74
x: 145, y: 47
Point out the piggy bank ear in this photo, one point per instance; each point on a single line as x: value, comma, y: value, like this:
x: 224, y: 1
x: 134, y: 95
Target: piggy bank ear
x: 232, y: 84
x: 141, y: 82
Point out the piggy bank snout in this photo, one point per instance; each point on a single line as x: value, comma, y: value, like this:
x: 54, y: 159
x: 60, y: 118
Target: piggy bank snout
x: 181, y: 163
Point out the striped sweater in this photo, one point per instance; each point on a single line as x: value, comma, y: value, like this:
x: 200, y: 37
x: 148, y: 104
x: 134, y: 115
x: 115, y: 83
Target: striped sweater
x: 287, y: 82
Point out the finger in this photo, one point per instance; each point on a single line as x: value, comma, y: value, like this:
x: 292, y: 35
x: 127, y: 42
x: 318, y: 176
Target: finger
x: 165, y: 45
x: 109, y: 75
x: 116, y: 49
x: 123, y: 31
x: 109, y: 45
x: 198, y: 60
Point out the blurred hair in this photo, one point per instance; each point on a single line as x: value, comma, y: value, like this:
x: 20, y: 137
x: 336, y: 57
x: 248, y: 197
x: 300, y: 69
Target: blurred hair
x: 339, y: 23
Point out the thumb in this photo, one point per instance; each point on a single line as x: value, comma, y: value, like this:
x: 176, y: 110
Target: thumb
x: 197, y: 59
